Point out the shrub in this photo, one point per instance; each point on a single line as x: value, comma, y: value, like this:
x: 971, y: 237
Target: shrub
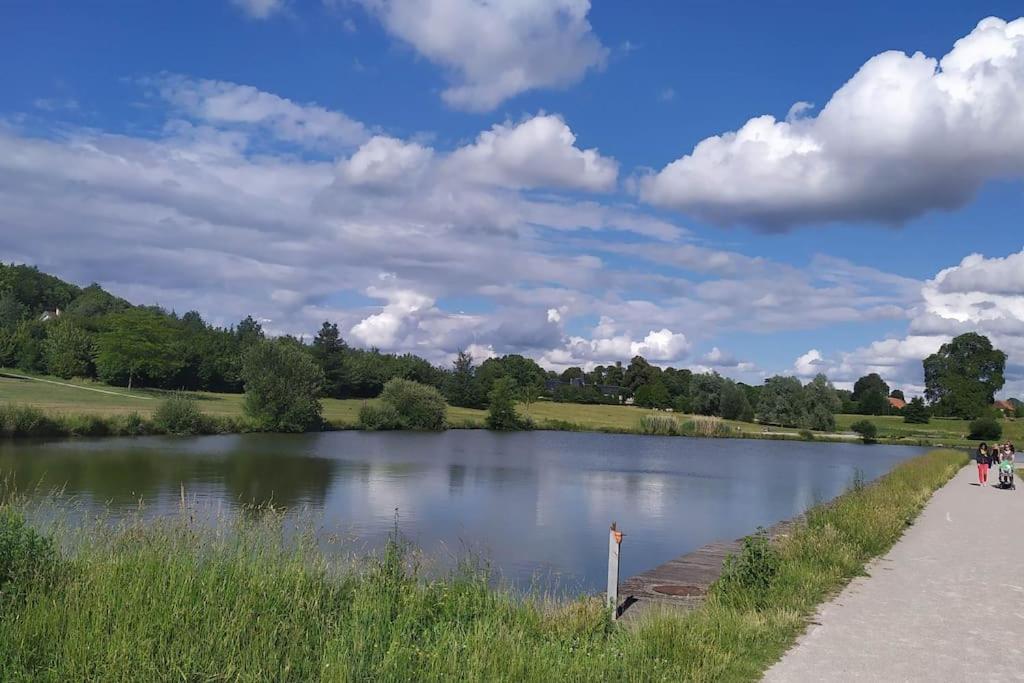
x: 180, y: 415
x: 283, y: 385
x: 84, y: 424
x: 379, y: 417
x: 660, y: 425
x: 501, y: 413
x: 748, y: 576
x: 418, y: 406
x: 986, y: 429
x: 916, y: 412
x: 866, y: 428
x: 131, y: 424
x: 24, y: 554
x: 705, y: 426
x: 19, y: 420
x: 806, y: 435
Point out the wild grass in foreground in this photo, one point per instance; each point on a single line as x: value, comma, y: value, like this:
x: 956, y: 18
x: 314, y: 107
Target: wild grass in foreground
x: 174, y: 601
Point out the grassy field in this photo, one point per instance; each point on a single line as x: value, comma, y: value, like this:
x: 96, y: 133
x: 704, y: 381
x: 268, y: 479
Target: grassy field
x: 82, y: 397
x: 172, y: 600
x: 940, y: 431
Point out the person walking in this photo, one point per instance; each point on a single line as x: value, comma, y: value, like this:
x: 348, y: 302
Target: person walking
x: 983, y: 458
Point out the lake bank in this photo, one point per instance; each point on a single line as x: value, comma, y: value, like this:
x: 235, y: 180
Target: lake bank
x: 537, y: 504
x: 146, y: 600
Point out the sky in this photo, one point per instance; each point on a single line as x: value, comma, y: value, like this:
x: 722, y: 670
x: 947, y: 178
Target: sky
x: 749, y: 188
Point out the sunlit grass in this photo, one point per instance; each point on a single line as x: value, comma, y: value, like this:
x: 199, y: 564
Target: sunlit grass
x: 250, y: 600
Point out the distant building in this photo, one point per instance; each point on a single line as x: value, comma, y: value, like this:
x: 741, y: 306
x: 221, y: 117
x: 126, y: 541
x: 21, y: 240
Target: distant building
x: 897, y: 403
x: 50, y: 315
x: 1006, y: 408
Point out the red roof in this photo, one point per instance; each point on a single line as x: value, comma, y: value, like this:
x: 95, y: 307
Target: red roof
x: 1005, y: 406
x: 897, y: 403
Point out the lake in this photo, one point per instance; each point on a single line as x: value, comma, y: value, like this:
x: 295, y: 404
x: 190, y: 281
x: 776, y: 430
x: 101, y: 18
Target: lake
x: 537, y: 505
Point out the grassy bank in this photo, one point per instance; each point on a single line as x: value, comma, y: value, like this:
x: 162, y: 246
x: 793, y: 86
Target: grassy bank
x: 174, y: 601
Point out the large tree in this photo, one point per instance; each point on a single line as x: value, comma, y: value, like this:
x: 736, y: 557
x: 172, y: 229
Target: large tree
x: 733, y: 402
x: 821, y: 404
x: 963, y: 377
x: 781, y: 402
x: 138, y: 344
x: 329, y: 353
x: 868, y: 383
x: 461, y: 387
x: 282, y: 386
x: 68, y: 350
x: 706, y: 393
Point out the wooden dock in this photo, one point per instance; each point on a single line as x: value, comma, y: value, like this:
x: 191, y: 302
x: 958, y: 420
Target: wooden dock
x: 683, y: 583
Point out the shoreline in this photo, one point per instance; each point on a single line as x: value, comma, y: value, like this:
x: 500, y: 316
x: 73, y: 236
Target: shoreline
x: 28, y: 421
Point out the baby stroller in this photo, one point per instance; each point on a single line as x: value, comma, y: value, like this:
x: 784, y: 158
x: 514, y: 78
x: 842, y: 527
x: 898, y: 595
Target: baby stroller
x: 1006, y: 475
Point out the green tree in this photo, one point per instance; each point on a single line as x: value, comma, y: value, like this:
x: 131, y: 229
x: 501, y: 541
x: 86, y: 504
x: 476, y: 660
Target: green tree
x: 821, y: 404
x: 572, y: 373
x: 12, y: 311
x: 873, y: 403
x: 329, y: 353
x: 916, y: 412
x: 418, y: 406
x: 461, y: 387
x: 963, y: 377
x: 782, y: 402
x: 639, y: 373
x: 706, y: 393
x: 501, y: 411
x: 868, y: 383
x: 138, y: 343
x: 654, y: 395
x: 734, y: 404
x: 283, y: 385
x: 68, y: 349
x: 897, y: 393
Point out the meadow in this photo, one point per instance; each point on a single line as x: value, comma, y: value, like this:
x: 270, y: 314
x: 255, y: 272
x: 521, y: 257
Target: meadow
x: 173, y: 600
x: 82, y: 397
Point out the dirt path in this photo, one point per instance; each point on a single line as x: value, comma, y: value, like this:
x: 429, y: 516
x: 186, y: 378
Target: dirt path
x: 945, y: 604
x: 76, y: 386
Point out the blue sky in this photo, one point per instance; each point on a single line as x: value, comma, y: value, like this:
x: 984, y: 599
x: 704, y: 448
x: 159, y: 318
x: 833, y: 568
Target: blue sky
x: 538, y: 176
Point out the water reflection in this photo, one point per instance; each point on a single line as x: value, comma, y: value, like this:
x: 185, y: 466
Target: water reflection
x: 533, y: 503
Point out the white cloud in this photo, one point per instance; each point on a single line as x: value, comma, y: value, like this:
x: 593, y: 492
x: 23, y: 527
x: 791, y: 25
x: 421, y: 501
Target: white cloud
x: 496, y: 49
x: 390, y: 328
x: 540, y: 151
x: 221, y: 102
x: 809, y: 364
x: 385, y: 163
x: 905, y: 135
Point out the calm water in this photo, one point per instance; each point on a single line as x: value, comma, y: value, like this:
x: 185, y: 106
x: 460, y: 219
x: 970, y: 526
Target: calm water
x: 536, y: 504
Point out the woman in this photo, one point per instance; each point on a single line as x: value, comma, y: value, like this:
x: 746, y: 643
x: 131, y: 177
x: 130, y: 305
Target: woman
x: 984, y: 459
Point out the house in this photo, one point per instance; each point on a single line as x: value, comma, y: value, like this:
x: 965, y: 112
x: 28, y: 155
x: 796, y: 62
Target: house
x: 49, y: 315
x: 1006, y: 408
x: 897, y: 403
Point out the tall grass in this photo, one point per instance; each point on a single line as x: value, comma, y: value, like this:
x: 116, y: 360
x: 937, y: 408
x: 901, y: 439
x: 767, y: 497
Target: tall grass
x: 174, y: 601
x: 707, y: 427
x: 28, y: 421
x: 660, y: 425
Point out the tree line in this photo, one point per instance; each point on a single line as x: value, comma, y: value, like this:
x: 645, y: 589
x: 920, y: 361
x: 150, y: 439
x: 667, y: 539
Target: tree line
x: 50, y: 326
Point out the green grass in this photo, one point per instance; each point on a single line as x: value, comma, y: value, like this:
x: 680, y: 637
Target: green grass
x: 944, y: 431
x: 245, y: 601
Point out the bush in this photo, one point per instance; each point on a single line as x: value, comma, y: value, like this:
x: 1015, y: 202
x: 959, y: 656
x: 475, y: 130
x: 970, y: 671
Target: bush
x: 180, y: 415
x: 19, y: 420
x: 84, y: 424
x: 867, y: 429
x: 659, y: 425
x: 379, y: 417
x: 418, y: 406
x: 705, y: 426
x: 283, y: 385
x: 916, y: 412
x: 24, y: 554
x: 806, y: 434
x: 986, y: 429
x: 501, y: 413
x: 131, y: 424
x: 748, y: 577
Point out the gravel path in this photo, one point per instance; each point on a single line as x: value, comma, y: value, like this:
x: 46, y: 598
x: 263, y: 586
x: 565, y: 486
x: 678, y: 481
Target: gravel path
x: 945, y: 604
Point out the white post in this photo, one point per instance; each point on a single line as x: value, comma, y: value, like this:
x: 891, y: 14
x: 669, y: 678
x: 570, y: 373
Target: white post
x: 614, y: 540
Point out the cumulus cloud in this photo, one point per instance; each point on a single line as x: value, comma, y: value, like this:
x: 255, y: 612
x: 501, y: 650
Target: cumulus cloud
x: 905, y: 135
x: 385, y: 163
x: 222, y: 102
x: 496, y: 49
x: 540, y: 151
x: 809, y: 364
x: 980, y: 294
